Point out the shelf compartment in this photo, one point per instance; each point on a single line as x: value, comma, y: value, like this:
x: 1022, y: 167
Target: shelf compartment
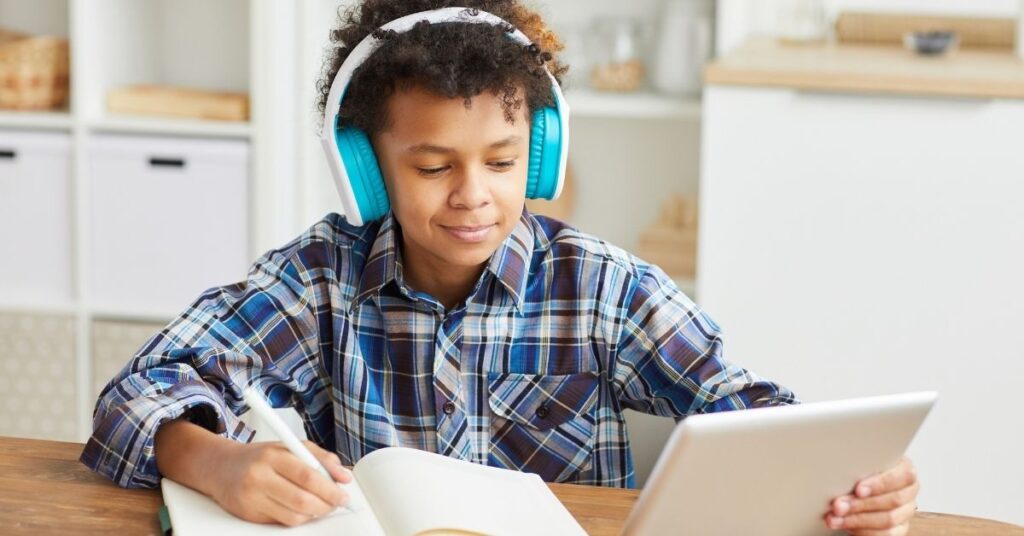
x: 193, y: 44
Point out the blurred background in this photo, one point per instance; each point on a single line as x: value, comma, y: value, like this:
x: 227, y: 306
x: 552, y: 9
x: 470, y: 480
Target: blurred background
x: 839, y: 183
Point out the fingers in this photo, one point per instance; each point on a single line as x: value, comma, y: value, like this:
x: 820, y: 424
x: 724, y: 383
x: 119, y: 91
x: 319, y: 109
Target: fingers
x: 898, y: 477
x: 303, y: 489
x: 296, y: 499
x: 279, y: 513
x: 883, y: 520
x: 849, y: 504
x: 331, y: 462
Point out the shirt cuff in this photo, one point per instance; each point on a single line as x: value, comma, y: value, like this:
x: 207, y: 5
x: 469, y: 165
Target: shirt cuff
x: 122, y: 447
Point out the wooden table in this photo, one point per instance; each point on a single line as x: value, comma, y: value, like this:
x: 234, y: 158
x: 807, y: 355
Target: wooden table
x: 45, y: 490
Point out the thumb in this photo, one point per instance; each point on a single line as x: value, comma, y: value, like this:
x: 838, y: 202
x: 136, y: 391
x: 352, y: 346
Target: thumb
x: 331, y: 462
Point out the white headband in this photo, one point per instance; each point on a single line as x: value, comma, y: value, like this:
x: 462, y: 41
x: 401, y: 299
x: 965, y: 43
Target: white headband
x: 370, y: 44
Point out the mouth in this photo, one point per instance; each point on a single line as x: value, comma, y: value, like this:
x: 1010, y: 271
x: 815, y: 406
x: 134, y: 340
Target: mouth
x: 469, y: 233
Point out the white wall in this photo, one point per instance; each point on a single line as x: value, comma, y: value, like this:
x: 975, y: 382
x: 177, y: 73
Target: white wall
x: 49, y: 17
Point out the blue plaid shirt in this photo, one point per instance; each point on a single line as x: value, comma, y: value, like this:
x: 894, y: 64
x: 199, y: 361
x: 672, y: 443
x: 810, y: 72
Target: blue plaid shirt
x: 532, y: 372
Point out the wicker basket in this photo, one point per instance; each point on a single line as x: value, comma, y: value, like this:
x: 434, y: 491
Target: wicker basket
x: 33, y: 72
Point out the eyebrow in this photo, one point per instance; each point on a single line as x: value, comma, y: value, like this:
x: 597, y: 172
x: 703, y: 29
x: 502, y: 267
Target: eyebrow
x: 430, y: 148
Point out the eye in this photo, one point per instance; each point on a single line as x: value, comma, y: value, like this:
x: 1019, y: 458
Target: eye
x: 504, y: 164
x: 431, y: 172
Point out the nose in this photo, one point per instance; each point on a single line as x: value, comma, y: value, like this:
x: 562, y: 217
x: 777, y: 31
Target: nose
x: 470, y: 190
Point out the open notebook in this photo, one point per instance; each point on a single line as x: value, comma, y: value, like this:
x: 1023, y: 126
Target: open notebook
x: 402, y: 491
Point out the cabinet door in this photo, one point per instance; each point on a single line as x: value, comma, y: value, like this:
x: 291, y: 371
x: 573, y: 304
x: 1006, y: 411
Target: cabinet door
x: 38, y: 394
x: 35, y: 232
x: 169, y: 220
x: 856, y: 245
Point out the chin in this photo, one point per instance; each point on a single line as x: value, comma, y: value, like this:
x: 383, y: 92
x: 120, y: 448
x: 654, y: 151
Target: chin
x: 469, y: 256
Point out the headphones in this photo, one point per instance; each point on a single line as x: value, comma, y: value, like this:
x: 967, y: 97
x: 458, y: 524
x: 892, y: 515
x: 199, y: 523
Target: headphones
x: 353, y: 163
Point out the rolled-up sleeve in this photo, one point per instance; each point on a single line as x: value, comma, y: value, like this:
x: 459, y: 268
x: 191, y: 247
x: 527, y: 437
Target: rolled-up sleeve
x: 669, y: 358
x: 261, y: 332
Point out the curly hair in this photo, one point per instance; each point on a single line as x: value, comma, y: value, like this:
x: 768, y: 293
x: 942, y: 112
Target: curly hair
x: 453, y: 60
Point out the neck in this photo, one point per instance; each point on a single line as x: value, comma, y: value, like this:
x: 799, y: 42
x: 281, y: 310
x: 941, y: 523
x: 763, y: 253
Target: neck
x: 450, y: 285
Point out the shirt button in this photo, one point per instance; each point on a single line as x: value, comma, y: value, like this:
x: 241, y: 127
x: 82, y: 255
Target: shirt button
x: 449, y: 407
x: 542, y: 411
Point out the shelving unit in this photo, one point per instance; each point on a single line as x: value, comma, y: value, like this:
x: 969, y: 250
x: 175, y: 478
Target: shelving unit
x: 186, y: 43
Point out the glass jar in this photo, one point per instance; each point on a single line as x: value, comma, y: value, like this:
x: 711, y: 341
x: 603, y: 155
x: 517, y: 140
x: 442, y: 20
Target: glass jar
x: 802, y: 21
x: 617, y: 62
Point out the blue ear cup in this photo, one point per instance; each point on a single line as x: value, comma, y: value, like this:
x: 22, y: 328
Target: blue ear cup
x: 545, y: 148
x: 363, y: 173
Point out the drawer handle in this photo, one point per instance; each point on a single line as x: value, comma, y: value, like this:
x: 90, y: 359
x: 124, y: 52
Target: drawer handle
x: 167, y: 162
x: 7, y: 154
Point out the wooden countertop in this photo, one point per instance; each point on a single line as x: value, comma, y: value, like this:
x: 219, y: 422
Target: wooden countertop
x: 45, y: 490
x: 871, y: 68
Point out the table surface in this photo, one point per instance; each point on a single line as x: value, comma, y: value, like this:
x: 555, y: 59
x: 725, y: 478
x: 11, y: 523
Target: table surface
x: 45, y: 490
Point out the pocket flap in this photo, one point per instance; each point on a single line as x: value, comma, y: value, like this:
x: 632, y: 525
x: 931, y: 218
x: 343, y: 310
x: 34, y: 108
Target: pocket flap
x: 542, y: 401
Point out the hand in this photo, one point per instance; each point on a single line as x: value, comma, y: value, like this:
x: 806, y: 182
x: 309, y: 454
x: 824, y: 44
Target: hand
x: 265, y: 483
x: 881, y: 504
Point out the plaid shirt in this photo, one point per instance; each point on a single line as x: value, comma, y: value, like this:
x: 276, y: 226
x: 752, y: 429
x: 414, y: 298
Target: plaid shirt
x: 532, y: 372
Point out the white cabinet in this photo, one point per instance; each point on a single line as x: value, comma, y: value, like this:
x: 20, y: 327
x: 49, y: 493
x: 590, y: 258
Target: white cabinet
x: 855, y: 245
x: 168, y: 220
x: 35, y: 218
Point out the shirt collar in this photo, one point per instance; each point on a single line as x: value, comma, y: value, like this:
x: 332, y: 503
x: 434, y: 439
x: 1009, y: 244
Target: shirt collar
x: 382, y: 262
x: 509, y: 264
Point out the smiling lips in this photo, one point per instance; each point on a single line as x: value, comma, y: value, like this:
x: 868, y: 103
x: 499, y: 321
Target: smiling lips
x: 470, y: 233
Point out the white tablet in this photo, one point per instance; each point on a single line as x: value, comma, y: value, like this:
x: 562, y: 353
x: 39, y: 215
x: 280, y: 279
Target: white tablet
x: 771, y: 471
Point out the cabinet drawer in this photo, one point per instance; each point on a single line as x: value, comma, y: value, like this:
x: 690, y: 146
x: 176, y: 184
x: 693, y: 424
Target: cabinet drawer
x: 168, y: 220
x: 35, y: 230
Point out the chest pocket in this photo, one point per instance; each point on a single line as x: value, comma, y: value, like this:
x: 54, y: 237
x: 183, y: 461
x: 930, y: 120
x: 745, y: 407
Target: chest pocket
x: 543, y: 424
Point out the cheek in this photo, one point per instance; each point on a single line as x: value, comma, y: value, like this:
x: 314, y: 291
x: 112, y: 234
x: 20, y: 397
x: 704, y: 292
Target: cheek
x: 511, y: 195
x: 509, y: 188
x: 410, y: 198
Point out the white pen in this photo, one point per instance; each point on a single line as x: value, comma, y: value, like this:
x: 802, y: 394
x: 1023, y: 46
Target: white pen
x: 281, y: 430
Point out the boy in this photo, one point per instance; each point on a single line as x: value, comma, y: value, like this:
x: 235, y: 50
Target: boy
x: 457, y: 323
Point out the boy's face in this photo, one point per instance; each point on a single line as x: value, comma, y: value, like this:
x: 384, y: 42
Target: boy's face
x: 456, y: 176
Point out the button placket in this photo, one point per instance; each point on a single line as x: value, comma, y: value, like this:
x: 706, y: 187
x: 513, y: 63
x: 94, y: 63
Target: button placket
x: 452, y: 439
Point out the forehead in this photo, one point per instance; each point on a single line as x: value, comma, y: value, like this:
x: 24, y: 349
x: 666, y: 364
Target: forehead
x: 416, y: 112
